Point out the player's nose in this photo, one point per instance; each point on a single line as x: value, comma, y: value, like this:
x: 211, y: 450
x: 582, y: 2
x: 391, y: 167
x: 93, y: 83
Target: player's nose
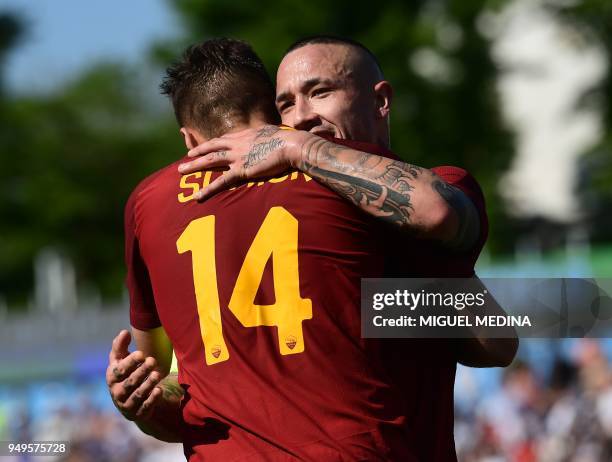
x: 304, y: 117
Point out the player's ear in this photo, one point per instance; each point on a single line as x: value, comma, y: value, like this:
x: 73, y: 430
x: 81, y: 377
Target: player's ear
x: 384, y: 94
x: 190, y: 137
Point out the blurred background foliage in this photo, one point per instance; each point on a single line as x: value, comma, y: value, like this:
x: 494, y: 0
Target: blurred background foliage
x: 591, y: 20
x: 70, y: 158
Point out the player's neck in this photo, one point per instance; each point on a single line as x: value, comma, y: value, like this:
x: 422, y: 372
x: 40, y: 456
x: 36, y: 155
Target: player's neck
x: 255, y: 121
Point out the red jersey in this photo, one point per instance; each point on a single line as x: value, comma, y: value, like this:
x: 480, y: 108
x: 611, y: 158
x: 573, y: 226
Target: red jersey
x: 258, y: 289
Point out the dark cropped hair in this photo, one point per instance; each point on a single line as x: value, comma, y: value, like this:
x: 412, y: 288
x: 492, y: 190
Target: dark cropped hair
x: 217, y: 84
x: 334, y: 40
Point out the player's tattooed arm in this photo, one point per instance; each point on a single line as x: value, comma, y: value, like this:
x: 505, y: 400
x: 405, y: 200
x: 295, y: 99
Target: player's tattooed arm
x: 468, y: 220
x: 140, y: 386
x: 164, y: 421
x: 408, y: 196
x: 254, y: 153
x: 171, y: 389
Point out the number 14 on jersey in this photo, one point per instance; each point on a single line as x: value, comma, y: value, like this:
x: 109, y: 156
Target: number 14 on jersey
x: 277, y: 237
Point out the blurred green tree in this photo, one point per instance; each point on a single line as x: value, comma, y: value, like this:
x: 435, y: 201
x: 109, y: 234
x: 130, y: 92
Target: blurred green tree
x: 11, y: 31
x: 591, y: 22
x: 68, y: 162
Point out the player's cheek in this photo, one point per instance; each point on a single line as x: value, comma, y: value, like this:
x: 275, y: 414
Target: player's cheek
x: 330, y: 109
x: 287, y: 118
x: 349, y: 118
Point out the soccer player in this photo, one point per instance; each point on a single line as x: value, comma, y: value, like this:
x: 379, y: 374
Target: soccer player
x: 258, y: 289
x: 335, y: 88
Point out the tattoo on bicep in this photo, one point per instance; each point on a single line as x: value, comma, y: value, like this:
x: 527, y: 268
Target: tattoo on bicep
x: 260, y: 151
x: 468, y: 230
x: 267, y: 130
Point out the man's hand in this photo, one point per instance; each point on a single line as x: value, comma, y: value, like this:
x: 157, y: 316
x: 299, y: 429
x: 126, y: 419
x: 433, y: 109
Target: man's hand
x: 132, y: 379
x: 138, y: 391
x: 249, y: 154
x: 412, y: 198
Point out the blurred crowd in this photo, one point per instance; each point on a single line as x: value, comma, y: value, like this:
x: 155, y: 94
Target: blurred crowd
x: 566, y: 417
x: 95, y: 434
x: 100, y: 436
x: 563, y: 414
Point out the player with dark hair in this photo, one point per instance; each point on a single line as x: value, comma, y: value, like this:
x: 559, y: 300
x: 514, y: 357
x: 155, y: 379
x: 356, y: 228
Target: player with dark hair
x: 218, y: 85
x: 258, y: 286
x: 258, y: 291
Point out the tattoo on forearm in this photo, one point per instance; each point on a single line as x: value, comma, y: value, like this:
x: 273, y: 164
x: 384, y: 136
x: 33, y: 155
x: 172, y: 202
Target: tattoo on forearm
x: 382, y: 188
x: 259, y: 152
x: 320, y: 152
x: 398, y: 174
x: 370, y: 196
x: 268, y: 130
x: 468, y: 229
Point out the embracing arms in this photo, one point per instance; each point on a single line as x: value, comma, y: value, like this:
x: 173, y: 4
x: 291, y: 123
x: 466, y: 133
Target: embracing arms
x: 140, y: 384
x: 412, y: 198
x: 409, y: 197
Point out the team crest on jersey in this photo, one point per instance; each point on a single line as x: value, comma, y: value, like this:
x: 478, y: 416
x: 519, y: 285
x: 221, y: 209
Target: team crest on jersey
x: 290, y: 341
x: 216, y: 351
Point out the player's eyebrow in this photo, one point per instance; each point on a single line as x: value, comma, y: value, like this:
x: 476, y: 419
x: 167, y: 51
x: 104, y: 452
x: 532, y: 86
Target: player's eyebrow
x: 304, y: 87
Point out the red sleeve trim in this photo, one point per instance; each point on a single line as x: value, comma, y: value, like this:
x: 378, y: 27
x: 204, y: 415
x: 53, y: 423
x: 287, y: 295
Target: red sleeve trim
x: 143, y: 311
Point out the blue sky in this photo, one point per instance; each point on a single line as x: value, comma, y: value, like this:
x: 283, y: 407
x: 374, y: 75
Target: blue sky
x: 65, y: 36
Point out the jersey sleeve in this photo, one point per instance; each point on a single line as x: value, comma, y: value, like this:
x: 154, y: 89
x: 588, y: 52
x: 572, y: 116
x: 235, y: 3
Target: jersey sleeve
x: 463, y: 180
x: 143, y: 312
